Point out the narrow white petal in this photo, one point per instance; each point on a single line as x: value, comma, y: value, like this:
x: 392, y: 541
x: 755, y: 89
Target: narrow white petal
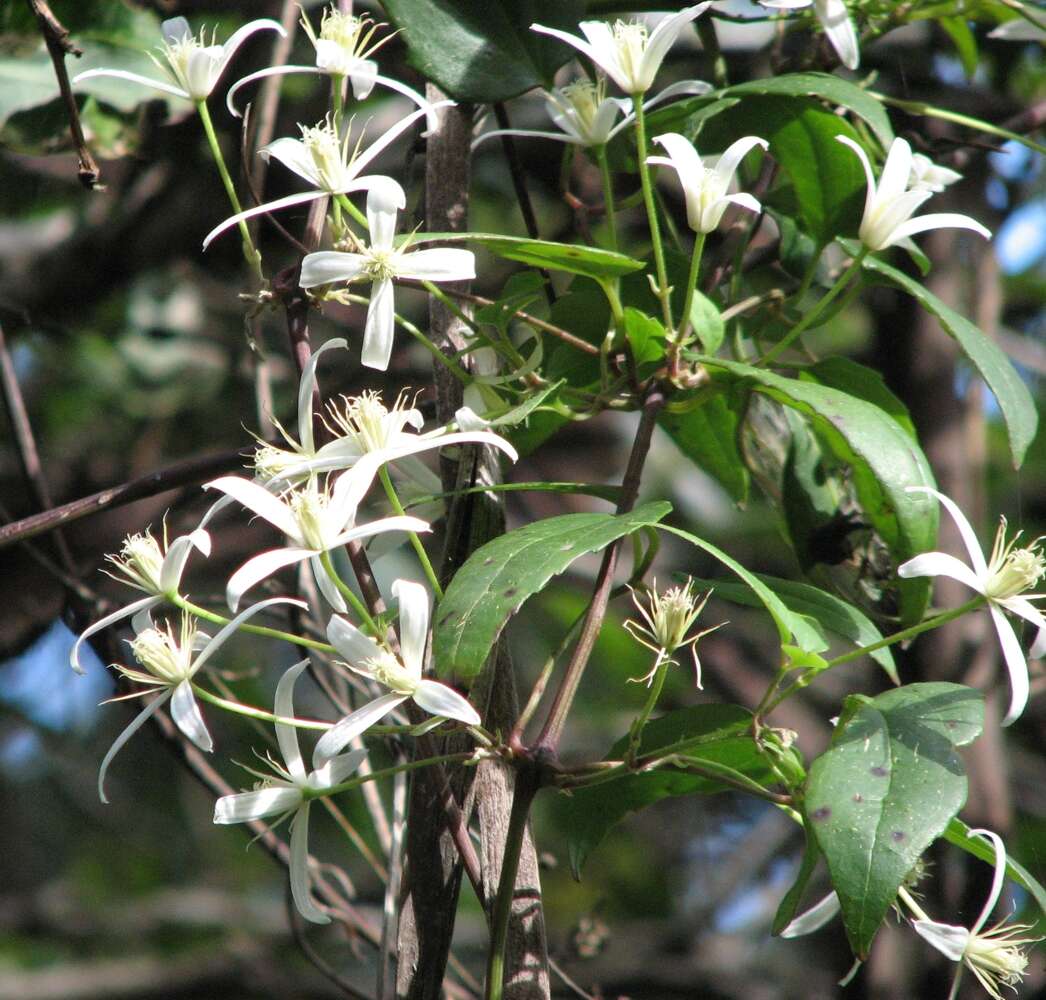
x: 348, y: 728
x: 966, y: 532
x: 456, y: 437
x: 307, y: 388
x: 351, y: 487
x: 258, y: 568
x: 813, y: 919
x: 295, y: 156
x: 869, y: 176
x: 110, y: 619
x: 363, y: 75
x: 387, y: 138
x: 256, y: 805
x: 743, y: 200
x: 432, y: 119
x: 786, y: 4
x: 202, y: 69
x: 573, y: 140
x: 327, y: 267
x: 662, y: 38
x: 1025, y: 609
x: 948, y: 939
x: 940, y: 564
x: 177, y: 553
x: 186, y: 715
x: 439, y: 699
x: 228, y: 630
x: 938, y: 220
x: 1016, y: 665
x: 269, y: 206
x: 136, y: 724
x: 378, y: 331
x: 693, y: 88
x: 414, y: 524
x: 732, y: 156
x: 337, y: 769
x: 351, y: 643
x: 286, y: 735
x: 300, y: 868
x: 240, y: 35
x: 998, y: 876
x: 326, y: 586
x: 385, y: 201
x: 260, y: 75
x: 413, y: 623
x: 123, y: 74
x: 437, y: 264
x: 840, y: 31
x: 893, y: 182
x: 256, y: 497
x: 1019, y: 29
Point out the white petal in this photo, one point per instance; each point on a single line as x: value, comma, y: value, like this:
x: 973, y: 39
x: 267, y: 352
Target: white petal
x: 432, y: 119
x: 122, y: 74
x: 869, y: 176
x: 351, y: 643
x: 893, y: 182
x: 385, y: 201
x: 327, y: 267
x: 378, y: 146
x: 256, y: 497
x: 363, y: 75
x: 295, y: 156
x: 442, y: 440
x: 256, y: 805
x: 948, y: 939
x: 1019, y: 29
x: 727, y: 164
x: 966, y: 532
x: 940, y: 564
x: 326, y: 586
x: 351, y: 487
x: 413, y: 623
x: 662, y: 38
x: 177, y: 553
x: 337, y: 769
x: 437, y: 264
x: 938, y: 220
x: 1016, y: 665
x: 286, y: 735
x: 227, y: 630
x: 269, y: 206
x: 1025, y: 609
x: 307, y: 388
x: 414, y: 524
x: 602, y: 57
x: 439, y: 699
x: 840, y: 31
x: 187, y: 717
x: 110, y: 619
x: 202, y: 68
x: 378, y: 332
x: 785, y: 4
x: 743, y: 200
x: 694, y: 88
x: 136, y: 724
x: 174, y: 29
x: 259, y: 568
x: 260, y: 75
x: 300, y: 868
x: 813, y: 919
x: 573, y: 140
x: 348, y: 728
x: 240, y: 35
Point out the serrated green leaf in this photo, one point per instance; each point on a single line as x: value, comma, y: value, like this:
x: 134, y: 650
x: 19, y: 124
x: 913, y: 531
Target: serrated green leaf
x: 884, y: 460
x: 885, y: 790
x: 498, y: 577
x: 1014, y: 398
x: 716, y: 735
x: 481, y: 51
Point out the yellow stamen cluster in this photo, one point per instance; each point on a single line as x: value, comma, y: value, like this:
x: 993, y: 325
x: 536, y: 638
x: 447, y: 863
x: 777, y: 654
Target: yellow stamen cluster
x: 387, y: 670
x: 584, y: 98
x: 140, y: 560
x: 996, y: 956
x: 167, y: 660
x: 1012, y: 570
x: 367, y: 422
x: 631, y: 39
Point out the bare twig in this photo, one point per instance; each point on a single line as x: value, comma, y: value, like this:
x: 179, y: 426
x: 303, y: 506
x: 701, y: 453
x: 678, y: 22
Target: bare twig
x: 56, y: 36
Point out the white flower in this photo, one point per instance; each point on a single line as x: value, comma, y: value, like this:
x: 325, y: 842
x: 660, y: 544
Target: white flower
x: 664, y: 627
x: 194, y: 65
x: 836, y: 23
x: 401, y: 674
x: 587, y: 117
x: 148, y: 567
x: 995, y: 956
x: 929, y: 176
x: 1003, y: 580
x: 343, y: 48
x: 170, y: 665
x: 629, y: 53
x: 379, y: 263
x: 890, y: 205
x: 290, y: 792
x: 705, y: 188
x: 326, y: 161
x: 315, y: 519
x: 815, y: 918
x: 1019, y: 29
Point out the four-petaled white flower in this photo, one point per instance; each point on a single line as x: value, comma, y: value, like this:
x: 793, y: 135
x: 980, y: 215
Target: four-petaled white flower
x: 587, y: 117
x: 705, y: 188
x: 379, y: 263
x: 1003, y: 580
x: 170, y: 664
x: 326, y: 161
x: 343, y: 49
x: 995, y: 956
x: 402, y: 674
x: 836, y: 23
x: 628, y: 52
x: 290, y: 793
x: 148, y: 567
x: 194, y: 65
x: 929, y: 176
x: 316, y: 520
x: 664, y: 627
x: 890, y: 204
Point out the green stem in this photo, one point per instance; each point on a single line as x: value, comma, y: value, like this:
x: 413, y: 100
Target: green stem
x: 691, y: 287
x: 257, y: 713
x: 419, y: 549
x: 357, y: 605
x: 437, y: 293
x: 272, y: 633
x: 346, y: 203
x: 346, y: 786
x: 250, y: 253
x: 635, y: 733
x: 608, y: 193
x: 814, y: 314
x: 663, y: 291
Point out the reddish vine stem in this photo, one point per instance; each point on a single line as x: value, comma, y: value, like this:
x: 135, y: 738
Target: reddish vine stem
x: 548, y: 740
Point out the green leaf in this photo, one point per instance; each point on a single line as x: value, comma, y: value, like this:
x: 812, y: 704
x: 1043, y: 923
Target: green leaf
x: 789, y: 626
x: 480, y: 51
x: 833, y: 89
x: 645, y: 335
x: 818, y: 607
x: 865, y: 383
x: 1015, y: 401
x: 885, y: 790
x: 707, y: 322
x: 958, y: 833
x: 498, y: 577
x: 707, y: 435
x: 965, y: 42
x: 715, y: 735
x: 883, y: 458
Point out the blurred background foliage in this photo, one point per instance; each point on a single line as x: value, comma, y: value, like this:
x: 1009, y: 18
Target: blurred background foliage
x: 132, y: 353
